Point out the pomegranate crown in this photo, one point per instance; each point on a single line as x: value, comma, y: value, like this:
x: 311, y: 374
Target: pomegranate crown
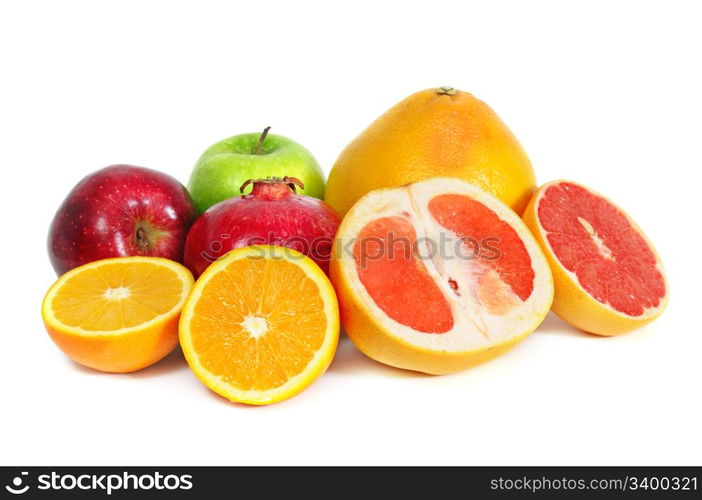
x: 291, y: 182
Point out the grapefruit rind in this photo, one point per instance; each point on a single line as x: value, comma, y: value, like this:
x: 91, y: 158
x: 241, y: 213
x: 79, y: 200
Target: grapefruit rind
x: 384, y: 339
x: 294, y: 385
x: 433, y: 134
x: 571, y: 301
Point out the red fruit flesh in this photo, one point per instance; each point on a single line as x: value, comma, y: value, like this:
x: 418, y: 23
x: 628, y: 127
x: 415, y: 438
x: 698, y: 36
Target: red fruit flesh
x: 273, y: 215
x: 396, y: 279
x: 593, y: 239
x: 492, y: 261
x: 473, y: 221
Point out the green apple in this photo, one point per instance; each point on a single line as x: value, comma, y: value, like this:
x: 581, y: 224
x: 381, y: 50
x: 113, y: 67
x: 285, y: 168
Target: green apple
x: 225, y: 166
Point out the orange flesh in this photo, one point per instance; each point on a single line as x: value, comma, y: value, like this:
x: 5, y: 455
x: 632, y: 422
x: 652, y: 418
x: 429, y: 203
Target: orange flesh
x: 116, y: 296
x: 275, y: 293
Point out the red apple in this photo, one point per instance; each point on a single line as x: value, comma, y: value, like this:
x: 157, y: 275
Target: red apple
x: 120, y: 211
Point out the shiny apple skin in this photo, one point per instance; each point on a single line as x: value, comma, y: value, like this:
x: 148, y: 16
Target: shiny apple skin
x: 121, y: 210
x: 303, y: 223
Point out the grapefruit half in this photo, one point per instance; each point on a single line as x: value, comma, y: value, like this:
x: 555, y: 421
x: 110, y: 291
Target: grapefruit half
x: 437, y: 276
x: 608, y: 277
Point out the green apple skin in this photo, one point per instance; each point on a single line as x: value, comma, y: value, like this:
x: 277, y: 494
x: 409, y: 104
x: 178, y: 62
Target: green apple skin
x: 226, y: 165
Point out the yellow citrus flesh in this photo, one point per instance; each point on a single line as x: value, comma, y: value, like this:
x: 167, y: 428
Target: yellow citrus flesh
x: 117, y: 315
x: 261, y: 325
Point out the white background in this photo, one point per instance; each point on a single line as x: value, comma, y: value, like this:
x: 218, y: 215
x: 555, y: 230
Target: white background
x: 606, y: 94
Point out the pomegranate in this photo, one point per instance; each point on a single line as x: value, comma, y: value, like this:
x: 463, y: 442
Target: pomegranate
x: 271, y: 214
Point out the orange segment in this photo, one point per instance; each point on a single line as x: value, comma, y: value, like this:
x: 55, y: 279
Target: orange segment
x: 261, y: 325
x: 117, y: 315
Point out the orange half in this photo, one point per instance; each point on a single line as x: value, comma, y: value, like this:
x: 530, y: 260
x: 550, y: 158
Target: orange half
x: 117, y: 315
x: 261, y: 324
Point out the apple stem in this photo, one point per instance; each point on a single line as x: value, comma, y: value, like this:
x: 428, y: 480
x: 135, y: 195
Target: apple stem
x: 142, y: 240
x: 261, y: 140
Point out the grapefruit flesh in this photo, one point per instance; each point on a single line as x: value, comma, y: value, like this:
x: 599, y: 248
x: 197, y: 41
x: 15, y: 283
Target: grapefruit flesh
x: 473, y: 221
x: 441, y: 276
x: 609, y: 279
x: 396, y: 280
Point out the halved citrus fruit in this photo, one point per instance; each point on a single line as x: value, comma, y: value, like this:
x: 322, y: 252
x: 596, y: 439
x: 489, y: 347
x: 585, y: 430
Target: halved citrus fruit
x: 261, y: 324
x: 608, y: 277
x: 117, y: 315
x: 437, y: 276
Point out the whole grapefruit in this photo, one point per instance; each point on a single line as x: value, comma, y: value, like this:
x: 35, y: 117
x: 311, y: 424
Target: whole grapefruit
x: 440, y: 132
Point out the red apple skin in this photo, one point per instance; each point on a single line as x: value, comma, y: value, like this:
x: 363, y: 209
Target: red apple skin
x: 118, y: 211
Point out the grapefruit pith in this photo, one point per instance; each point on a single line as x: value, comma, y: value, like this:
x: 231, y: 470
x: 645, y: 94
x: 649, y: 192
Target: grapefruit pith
x: 437, y: 276
x: 608, y: 277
